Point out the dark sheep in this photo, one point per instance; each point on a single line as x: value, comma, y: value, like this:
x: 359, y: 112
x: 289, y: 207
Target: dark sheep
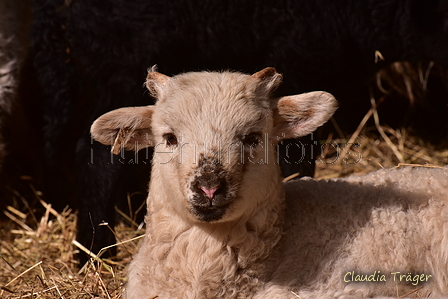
x: 14, y: 24
x: 91, y: 57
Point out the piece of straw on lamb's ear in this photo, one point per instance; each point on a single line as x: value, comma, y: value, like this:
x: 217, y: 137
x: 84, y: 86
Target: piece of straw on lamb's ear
x: 128, y: 128
x: 300, y: 115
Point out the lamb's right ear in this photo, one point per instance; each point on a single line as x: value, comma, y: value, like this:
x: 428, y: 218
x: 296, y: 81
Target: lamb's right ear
x: 156, y: 82
x: 128, y: 128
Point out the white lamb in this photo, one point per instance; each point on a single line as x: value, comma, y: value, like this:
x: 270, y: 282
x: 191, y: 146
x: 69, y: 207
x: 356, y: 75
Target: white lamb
x: 221, y: 224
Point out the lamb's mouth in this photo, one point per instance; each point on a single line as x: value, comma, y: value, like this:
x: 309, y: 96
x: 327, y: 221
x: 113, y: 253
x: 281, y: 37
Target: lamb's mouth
x: 210, y: 198
x: 210, y: 213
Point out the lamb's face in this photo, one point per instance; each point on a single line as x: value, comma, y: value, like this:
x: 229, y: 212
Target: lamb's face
x: 209, y: 139
x: 214, y: 138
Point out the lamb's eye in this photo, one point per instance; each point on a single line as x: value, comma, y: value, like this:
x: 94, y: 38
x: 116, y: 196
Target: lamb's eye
x: 252, y: 139
x: 170, y: 139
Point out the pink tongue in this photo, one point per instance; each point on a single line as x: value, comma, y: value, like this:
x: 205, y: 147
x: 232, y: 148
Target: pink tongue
x: 209, y: 192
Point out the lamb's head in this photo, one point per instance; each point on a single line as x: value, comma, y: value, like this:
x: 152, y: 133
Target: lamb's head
x: 214, y: 135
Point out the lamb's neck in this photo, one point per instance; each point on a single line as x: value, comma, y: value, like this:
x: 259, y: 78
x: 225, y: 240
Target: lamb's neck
x: 246, y: 240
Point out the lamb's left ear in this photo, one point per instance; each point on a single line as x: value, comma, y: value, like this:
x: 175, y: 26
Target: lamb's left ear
x: 269, y: 79
x: 128, y: 128
x: 300, y: 115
